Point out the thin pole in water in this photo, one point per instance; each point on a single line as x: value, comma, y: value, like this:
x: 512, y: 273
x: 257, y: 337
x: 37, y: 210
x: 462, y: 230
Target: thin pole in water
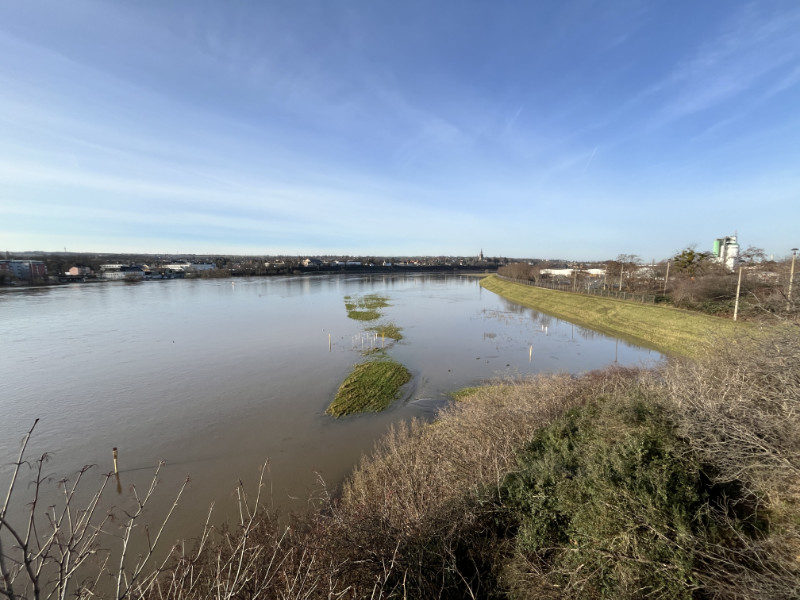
x: 114, y: 454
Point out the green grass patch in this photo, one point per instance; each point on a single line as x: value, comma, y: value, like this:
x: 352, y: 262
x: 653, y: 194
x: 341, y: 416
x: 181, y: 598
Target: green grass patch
x: 465, y: 393
x: 371, y: 387
x: 365, y: 308
x: 668, y: 330
x: 374, y: 301
x: 363, y: 315
x: 387, y: 330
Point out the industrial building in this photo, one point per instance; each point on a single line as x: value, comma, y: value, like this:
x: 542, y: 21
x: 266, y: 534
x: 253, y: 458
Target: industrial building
x: 726, y: 251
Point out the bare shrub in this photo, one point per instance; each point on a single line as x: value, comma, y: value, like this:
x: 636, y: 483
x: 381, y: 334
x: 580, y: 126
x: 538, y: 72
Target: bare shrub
x: 712, y: 290
x: 740, y: 406
x: 739, y: 409
x: 257, y: 557
x: 520, y: 270
x: 55, y: 550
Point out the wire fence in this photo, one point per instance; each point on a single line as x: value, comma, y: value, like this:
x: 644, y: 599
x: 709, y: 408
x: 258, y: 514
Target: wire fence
x: 565, y: 286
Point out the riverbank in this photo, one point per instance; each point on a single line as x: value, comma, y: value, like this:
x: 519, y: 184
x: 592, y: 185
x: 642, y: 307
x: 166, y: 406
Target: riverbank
x: 668, y: 330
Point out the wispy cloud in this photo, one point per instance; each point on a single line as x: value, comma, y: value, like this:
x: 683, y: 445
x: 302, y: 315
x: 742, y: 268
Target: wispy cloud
x: 751, y: 47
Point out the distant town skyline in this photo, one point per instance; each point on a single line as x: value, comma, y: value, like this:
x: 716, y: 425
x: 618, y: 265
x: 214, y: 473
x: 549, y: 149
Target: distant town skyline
x: 574, y: 130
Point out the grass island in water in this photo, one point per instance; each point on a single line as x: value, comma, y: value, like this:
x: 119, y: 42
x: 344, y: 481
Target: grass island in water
x: 365, y: 308
x: 371, y: 387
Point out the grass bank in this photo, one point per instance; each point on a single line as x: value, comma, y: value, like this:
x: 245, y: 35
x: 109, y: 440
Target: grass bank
x: 371, y: 387
x: 669, y: 330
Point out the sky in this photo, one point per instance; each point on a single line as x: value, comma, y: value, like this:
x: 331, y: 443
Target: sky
x: 570, y: 129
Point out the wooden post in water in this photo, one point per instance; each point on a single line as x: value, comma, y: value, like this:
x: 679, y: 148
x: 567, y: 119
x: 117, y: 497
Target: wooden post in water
x: 116, y: 468
x: 530, y: 354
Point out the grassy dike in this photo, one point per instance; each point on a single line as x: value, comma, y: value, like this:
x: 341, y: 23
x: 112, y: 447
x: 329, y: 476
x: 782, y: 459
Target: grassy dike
x: 669, y: 330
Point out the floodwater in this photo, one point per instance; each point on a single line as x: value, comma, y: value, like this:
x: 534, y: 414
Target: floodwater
x: 217, y: 376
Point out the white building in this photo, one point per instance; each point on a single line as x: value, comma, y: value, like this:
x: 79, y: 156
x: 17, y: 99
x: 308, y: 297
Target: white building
x: 190, y: 267
x: 121, y: 272
x: 726, y: 251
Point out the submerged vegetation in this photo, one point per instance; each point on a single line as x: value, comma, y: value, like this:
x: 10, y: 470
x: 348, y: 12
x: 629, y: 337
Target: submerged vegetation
x: 371, y: 387
x: 387, y: 330
x: 365, y: 308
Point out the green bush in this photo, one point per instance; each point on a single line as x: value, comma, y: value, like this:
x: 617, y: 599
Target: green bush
x: 610, y: 503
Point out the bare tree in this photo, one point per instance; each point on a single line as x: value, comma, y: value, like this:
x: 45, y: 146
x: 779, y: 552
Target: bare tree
x: 43, y: 555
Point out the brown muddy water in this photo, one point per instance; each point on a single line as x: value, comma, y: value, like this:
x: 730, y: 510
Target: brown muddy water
x: 216, y: 377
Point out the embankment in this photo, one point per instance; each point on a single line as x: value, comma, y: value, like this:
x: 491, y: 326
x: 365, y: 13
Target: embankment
x: 669, y: 330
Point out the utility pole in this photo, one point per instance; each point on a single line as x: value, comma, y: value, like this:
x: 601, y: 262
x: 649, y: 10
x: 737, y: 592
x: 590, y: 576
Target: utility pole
x: 738, y: 287
x: 791, y: 278
x: 666, y: 278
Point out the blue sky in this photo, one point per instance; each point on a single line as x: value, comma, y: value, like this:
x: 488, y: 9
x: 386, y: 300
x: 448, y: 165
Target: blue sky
x: 571, y: 129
